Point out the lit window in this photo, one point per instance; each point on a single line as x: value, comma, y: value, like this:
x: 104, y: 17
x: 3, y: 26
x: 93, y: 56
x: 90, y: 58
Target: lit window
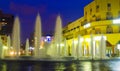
x: 109, y: 7
x: 86, y: 25
x: 90, y: 11
x: 97, y: 8
x: 109, y: 15
x: 109, y: 29
x: 3, y: 19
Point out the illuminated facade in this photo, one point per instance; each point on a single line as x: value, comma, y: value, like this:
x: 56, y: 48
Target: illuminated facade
x: 101, y: 17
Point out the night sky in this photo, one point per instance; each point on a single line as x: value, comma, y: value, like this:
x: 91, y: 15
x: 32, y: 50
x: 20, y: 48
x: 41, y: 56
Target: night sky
x: 69, y: 10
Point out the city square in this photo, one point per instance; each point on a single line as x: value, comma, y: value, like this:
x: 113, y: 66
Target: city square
x: 90, y: 42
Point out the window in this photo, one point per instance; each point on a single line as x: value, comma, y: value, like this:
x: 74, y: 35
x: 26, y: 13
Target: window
x: 98, y: 18
x: 90, y: 11
x: 109, y: 29
x: 109, y: 16
x: 97, y: 31
x: 92, y: 31
x: 82, y: 23
x: 77, y: 26
x: 85, y: 13
x: 109, y: 7
x: 97, y: 8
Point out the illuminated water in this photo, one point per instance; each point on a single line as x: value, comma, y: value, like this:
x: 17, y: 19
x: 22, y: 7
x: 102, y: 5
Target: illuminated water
x: 27, y: 47
x: 37, y: 36
x: 16, y: 36
x: 110, y: 65
x: 58, y: 37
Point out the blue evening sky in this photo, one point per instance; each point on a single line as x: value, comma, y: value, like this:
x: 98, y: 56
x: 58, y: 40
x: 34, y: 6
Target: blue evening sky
x: 70, y: 10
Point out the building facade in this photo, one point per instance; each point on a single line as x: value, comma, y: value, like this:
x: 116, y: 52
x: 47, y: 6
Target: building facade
x: 6, y: 25
x: 101, y: 17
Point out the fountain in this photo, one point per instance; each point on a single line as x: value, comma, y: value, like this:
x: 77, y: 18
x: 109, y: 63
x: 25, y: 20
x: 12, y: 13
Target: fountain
x: 79, y: 48
x: 73, y: 48
x: 16, y: 37
x: 65, y: 48
x: 37, y: 36
x: 92, y: 47
x: 8, y: 45
x: 58, y: 49
x: 102, y: 48
x: 27, y: 47
x: 58, y: 37
x: 1, y: 49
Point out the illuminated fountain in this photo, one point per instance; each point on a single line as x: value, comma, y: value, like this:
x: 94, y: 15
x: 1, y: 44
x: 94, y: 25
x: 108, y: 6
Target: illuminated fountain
x: 5, y: 51
x: 58, y: 48
x: 102, y: 47
x: 58, y: 36
x: 92, y: 47
x: 27, y: 47
x: 39, y: 51
x: 65, y: 48
x: 16, y: 37
x: 73, y: 48
x: 1, y: 49
x: 8, y: 46
x: 37, y: 36
x: 79, y: 48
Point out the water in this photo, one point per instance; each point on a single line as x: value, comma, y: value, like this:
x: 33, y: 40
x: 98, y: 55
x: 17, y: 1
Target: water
x: 59, y: 47
x: 8, y: 45
x: 37, y: 37
x: 27, y: 47
x: 1, y: 49
x: 16, y: 36
x: 103, y: 47
x: 58, y: 37
x: 110, y: 65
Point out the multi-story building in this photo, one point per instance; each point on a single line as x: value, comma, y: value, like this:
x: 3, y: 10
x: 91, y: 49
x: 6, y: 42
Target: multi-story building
x: 6, y: 25
x: 101, y: 17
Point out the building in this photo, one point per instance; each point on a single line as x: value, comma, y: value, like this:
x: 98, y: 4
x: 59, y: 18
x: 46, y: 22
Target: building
x: 6, y: 25
x: 101, y: 17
